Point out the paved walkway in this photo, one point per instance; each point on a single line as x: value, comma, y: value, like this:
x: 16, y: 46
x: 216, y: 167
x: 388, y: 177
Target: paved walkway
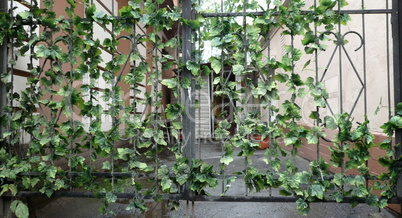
x: 211, y: 153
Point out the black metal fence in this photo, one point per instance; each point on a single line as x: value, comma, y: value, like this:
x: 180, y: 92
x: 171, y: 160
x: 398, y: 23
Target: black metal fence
x: 362, y: 68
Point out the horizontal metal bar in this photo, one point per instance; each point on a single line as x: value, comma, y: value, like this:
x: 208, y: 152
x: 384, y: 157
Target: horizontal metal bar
x: 255, y: 13
x: 78, y: 194
x: 261, y: 13
x: 394, y: 200
x: 128, y: 175
x: 95, y: 174
x: 204, y: 198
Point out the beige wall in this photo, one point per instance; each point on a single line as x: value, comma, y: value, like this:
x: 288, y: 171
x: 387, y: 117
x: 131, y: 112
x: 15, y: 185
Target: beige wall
x: 377, y: 58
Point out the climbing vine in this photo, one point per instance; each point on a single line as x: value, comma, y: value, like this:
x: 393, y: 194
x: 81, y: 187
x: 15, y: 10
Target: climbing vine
x: 63, y: 89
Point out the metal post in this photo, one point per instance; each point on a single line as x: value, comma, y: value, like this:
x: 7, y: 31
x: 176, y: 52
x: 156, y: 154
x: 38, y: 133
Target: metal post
x: 3, y: 71
x: 188, y: 97
x: 4, y: 202
x: 397, y: 42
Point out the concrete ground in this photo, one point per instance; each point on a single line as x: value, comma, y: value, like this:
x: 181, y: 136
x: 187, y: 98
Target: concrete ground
x: 211, y: 153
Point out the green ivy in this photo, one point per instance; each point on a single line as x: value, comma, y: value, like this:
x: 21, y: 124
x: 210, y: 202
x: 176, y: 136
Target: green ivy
x: 69, y: 51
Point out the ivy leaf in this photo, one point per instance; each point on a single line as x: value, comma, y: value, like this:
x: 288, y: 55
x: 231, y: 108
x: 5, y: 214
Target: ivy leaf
x: 360, y: 191
x: 330, y: 122
x: 303, y: 177
x: 148, y: 133
x: 173, y: 111
x: 170, y: 83
x: 5, y: 188
x: 238, y: 70
x: 359, y: 180
x: 59, y: 184
x: 106, y: 165
x: 89, y: 11
x: 253, y: 31
x: 301, y: 92
x: 281, y: 77
x: 9, y: 187
x: 52, y: 52
x: 226, y: 160
x: 51, y: 172
x: 44, y: 140
x: 309, y: 37
x: 171, y: 43
x: 312, y: 138
x: 98, y: 15
x: 229, y: 181
x: 194, y: 24
x: 138, y: 165
x: 6, y: 134
x: 276, y: 164
x: 19, y: 209
x: 193, y: 67
x: 181, y: 178
x: 216, y: 64
x: 185, y: 83
x: 221, y: 133
x: 162, y: 171
x: 290, y: 140
x: 383, y: 203
x: 302, y: 206
x: 159, y: 138
x: 398, y: 109
x: 24, y: 14
x: 317, y: 191
x: 167, y: 65
x: 177, y: 124
x: 327, y: 3
x: 259, y: 91
x: 110, y: 197
x: 372, y: 200
x: 166, y: 183
x: 338, y: 179
x: 206, y: 70
x: 284, y: 192
x: 338, y: 197
x: 217, y: 80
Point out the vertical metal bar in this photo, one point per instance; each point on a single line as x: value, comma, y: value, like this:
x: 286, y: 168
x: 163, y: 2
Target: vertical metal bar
x: 3, y: 71
x: 188, y: 148
x: 155, y: 60
x: 11, y: 69
x: 192, y: 209
x: 364, y: 71
x: 316, y: 79
x: 340, y: 109
x: 179, y: 75
x: 199, y: 96
x: 210, y: 106
x: 340, y: 43
x: 364, y: 59
x: 112, y: 82
x: 271, y: 114
x: 245, y: 68
x: 90, y: 99
x: 397, y: 40
x: 387, y: 30
x: 70, y: 51
x: 199, y: 121
x: 222, y: 103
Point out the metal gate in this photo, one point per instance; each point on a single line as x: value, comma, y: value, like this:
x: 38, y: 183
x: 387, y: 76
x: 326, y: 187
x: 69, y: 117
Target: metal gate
x: 119, y: 87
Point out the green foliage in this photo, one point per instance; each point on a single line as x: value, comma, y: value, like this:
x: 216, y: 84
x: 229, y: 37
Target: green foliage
x: 65, y: 87
x: 202, y: 176
x: 19, y: 209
